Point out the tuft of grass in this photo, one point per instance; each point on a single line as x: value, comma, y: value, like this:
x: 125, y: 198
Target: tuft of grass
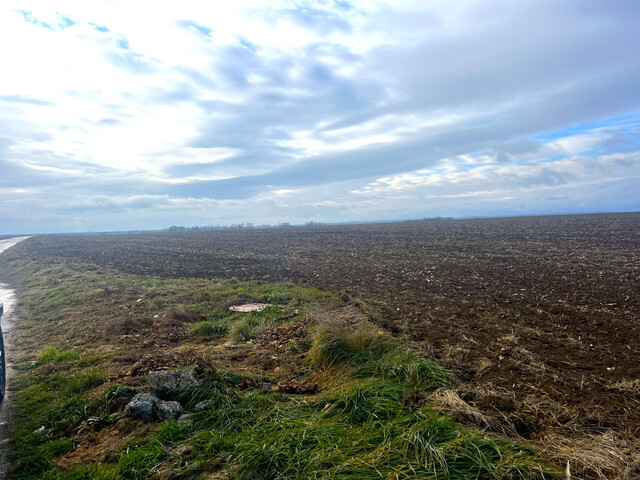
x: 217, y: 314
x: 405, y: 366
x: 372, y: 352
x: 252, y: 324
x: 136, y: 458
x: 37, y: 454
x: 372, y: 400
x: 209, y: 329
x: 155, y: 304
x: 300, y: 345
x: 53, y: 355
x: 277, y: 296
x: 245, y: 329
x: 336, y: 344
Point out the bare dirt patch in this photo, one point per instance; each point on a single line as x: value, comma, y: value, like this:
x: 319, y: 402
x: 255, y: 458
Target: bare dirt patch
x: 102, y: 446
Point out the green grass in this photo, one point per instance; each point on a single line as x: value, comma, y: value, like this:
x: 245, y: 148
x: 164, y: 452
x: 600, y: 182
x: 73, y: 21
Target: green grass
x: 47, y: 409
x: 366, y: 433
x: 403, y: 365
x: 362, y: 427
x: 254, y: 323
x: 53, y: 355
x: 209, y: 329
x: 339, y: 345
x: 239, y: 327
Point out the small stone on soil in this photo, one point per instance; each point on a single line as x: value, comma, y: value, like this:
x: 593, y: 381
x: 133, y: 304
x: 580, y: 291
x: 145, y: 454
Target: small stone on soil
x: 141, y: 406
x: 166, y: 410
x: 164, y: 383
x: 204, y: 405
x: 185, y: 419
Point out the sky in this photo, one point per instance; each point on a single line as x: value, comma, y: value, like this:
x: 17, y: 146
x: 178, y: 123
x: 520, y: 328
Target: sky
x: 126, y: 115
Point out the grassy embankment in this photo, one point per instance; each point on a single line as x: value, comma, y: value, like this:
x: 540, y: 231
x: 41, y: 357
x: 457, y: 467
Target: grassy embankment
x: 84, y: 332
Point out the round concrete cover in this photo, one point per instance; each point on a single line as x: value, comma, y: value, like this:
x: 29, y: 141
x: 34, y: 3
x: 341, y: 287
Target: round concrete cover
x: 248, y: 307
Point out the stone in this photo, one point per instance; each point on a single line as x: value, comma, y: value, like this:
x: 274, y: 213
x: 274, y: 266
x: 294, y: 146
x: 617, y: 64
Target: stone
x: 268, y: 387
x: 185, y: 419
x: 204, y: 405
x: 164, y: 383
x: 142, y: 406
x: 168, y: 409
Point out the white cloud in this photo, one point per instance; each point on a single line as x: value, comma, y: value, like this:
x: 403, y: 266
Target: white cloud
x: 287, y: 107
x: 576, y: 143
x: 514, y: 179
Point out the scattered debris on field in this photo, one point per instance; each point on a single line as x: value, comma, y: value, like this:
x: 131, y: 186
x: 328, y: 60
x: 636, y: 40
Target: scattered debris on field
x: 249, y: 307
x: 293, y: 386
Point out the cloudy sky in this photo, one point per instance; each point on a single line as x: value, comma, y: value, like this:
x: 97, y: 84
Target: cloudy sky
x: 118, y: 115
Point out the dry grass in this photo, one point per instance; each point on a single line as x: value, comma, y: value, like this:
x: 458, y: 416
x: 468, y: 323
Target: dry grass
x: 561, y: 433
x: 448, y: 401
x: 565, y: 432
x: 605, y: 456
x: 451, y: 355
x: 630, y: 386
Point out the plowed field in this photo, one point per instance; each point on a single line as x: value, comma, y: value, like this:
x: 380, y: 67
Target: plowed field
x: 538, y: 316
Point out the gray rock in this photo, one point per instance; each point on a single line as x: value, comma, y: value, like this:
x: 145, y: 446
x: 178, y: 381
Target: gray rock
x: 204, y: 405
x: 166, y: 410
x: 142, y: 406
x: 185, y: 419
x: 164, y: 383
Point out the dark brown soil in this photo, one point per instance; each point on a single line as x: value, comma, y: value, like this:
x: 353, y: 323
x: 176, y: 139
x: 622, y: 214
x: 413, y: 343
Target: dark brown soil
x: 544, y: 307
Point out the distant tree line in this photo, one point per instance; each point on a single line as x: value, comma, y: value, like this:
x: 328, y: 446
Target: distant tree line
x: 429, y: 219
x: 234, y: 226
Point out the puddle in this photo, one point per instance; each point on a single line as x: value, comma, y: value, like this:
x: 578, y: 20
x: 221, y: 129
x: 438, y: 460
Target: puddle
x: 7, y: 295
x: 8, y: 298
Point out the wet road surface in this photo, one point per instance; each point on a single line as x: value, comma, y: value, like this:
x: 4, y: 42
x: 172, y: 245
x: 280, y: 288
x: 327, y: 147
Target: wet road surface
x: 7, y: 297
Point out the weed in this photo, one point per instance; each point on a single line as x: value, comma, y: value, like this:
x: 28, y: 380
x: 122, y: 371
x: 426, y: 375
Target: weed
x: 77, y: 382
x: 405, y: 366
x: 209, y: 329
x: 216, y: 314
x: 37, y: 453
x: 301, y: 345
x: 137, y: 459
x: 368, y: 401
x: 53, y: 355
x: 372, y: 353
x: 277, y: 296
x: 334, y: 345
x: 254, y: 323
x: 155, y: 304
x: 245, y: 329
